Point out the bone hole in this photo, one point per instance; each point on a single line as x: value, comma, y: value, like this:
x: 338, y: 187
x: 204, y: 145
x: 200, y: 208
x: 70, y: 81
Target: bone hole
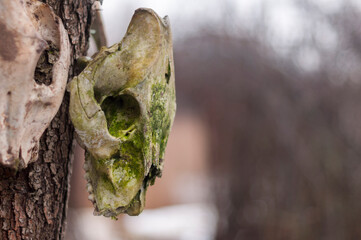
x: 44, y: 67
x: 168, y: 72
x: 122, y: 113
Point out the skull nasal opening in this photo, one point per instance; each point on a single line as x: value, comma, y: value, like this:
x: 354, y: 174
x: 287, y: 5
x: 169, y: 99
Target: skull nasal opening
x: 122, y: 113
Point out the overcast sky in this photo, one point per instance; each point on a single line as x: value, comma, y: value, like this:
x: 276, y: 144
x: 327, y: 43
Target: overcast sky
x: 286, y: 23
x: 283, y: 16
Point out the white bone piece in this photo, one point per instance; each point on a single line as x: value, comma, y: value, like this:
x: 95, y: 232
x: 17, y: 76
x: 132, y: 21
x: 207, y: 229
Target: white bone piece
x: 27, y: 28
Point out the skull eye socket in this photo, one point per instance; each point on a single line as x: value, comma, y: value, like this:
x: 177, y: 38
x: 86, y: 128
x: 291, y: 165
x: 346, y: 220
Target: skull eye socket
x: 44, y: 67
x: 122, y: 113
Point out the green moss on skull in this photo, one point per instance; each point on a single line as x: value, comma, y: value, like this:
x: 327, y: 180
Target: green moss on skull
x: 117, y: 180
x: 133, y: 160
x: 159, y: 118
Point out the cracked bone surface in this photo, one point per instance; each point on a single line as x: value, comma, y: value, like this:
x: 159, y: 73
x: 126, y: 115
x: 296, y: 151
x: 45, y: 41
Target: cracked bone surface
x: 122, y: 106
x: 27, y: 29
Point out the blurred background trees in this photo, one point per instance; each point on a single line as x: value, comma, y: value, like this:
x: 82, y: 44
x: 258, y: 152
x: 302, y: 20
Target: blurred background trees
x: 285, y: 156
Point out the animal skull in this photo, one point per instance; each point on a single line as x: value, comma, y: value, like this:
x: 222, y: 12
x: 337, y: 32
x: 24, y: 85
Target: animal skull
x: 27, y: 28
x: 122, y: 106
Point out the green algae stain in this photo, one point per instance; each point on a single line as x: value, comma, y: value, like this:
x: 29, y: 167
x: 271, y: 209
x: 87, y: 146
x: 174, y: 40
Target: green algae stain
x: 160, y: 119
x: 131, y: 162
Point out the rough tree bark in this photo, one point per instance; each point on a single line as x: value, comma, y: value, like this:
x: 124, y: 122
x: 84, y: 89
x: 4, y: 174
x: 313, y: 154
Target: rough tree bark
x: 33, y: 201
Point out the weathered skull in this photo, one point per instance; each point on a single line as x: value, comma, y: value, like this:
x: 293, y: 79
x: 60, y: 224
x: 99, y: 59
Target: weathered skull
x: 122, y: 106
x: 27, y: 28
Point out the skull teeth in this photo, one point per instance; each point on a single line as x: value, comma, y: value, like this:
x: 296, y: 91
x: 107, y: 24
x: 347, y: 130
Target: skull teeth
x: 86, y: 166
x: 108, y: 214
x: 89, y: 187
x: 91, y: 197
x: 96, y: 212
x: 90, y: 190
x: 87, y: 177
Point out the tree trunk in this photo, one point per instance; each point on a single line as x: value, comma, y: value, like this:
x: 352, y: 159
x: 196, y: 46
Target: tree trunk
x: 33, y: 201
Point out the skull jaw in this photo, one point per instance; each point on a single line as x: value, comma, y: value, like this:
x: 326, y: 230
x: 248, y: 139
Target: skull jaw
x: 115, y: 185
x: 134, y: 208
